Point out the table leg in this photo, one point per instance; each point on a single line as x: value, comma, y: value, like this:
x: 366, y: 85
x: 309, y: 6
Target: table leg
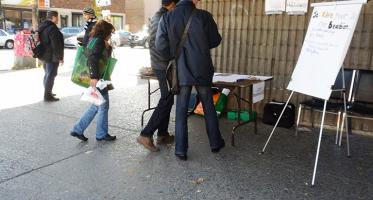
x: 149, y: 108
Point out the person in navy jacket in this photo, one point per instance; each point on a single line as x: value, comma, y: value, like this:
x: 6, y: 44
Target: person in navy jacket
x: 195, y: 67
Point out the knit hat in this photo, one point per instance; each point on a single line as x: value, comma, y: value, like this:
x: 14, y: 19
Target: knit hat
x: 89, y: 11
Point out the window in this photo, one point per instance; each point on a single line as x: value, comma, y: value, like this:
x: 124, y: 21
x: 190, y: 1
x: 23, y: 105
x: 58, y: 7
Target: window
x: 2, y: 33
x: 117, y: 21
x: 64, y: 19
x: 77, y: 20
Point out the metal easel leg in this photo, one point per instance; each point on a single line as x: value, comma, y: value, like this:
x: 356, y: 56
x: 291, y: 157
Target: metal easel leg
x: 341, y: 131
x: 338, y: 126
x: 278, y: 120
x: 347, y: 128
x: 319, y: 144
x: 299, y: 112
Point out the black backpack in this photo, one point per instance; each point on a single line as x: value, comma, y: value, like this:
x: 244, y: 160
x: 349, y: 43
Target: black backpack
x: 37, y: 47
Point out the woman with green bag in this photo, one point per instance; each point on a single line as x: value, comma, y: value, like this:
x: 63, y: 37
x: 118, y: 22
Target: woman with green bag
x: 99, y: 39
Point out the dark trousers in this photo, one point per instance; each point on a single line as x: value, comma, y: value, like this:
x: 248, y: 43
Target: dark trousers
x: 211, y: 119
x: 161, y: 115
x: 50, y: 73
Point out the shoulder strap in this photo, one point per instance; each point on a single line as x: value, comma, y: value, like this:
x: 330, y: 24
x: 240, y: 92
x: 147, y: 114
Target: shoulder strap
x: 185, y: 34
x: 91, y: 43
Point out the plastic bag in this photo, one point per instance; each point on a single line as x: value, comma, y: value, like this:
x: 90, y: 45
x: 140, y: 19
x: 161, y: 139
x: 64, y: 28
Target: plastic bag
x: 93, y: 96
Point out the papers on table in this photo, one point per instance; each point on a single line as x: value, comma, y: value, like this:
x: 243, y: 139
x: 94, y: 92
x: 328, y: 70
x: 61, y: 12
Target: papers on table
x: 258, y: 91
x: 231, y: 78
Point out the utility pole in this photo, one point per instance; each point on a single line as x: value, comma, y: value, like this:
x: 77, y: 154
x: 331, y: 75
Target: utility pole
x: 35, y: 15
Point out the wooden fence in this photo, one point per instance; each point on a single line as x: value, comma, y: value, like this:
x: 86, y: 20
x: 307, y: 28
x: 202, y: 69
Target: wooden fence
x: 260, y: 44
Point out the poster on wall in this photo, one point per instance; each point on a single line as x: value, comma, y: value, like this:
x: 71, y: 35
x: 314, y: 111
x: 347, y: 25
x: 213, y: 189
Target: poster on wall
x: 275, y: 6
x: 296, y: 7
x: 324, y: 49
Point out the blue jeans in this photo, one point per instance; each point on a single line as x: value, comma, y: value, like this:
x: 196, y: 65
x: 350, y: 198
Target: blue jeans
x: 50, y: 73
x: 211, y: 119
x: 161, y: 115
x: 89, y: 115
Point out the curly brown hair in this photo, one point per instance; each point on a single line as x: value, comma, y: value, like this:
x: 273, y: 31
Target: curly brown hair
x: 102, y: 28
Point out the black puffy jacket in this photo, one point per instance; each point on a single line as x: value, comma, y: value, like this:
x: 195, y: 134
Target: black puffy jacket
x: 52, y: 39
x: 158, y: 61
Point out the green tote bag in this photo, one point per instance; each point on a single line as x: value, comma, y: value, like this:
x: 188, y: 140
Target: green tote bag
x: 80, y: 74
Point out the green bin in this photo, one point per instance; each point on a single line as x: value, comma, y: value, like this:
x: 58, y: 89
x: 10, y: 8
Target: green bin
x: 244, y: 116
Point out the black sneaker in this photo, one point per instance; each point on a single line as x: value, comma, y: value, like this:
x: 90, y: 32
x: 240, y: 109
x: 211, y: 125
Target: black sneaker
x: 107, y: 137
x: 182, y: 157
x: 79, y: 136
x: 216, y: 150
x: 51, y: 99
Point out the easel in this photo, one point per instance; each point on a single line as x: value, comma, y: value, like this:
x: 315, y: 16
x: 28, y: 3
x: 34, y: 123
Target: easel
x: 321, y: 127
x: 305, y: 68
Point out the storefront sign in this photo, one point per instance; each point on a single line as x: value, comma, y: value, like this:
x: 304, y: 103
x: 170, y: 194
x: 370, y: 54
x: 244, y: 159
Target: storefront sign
x: 101, y: 3
x: 17, y: 2
x: 44, y: 3
x: 296, y: 7
x: 275, y: 6
x: 27, y: 3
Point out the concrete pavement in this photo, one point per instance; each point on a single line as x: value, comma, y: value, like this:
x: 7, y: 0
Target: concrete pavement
x: 39, y: 160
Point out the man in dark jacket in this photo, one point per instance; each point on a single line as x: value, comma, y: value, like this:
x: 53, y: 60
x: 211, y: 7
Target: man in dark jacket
x: 52, y: 40
x: 161, y: 115
x: 195, y: 68
x: 90, y: 21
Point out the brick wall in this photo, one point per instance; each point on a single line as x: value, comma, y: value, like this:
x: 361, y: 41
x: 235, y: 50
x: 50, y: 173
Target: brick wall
x: 138, y: 12
x: 135, y: 14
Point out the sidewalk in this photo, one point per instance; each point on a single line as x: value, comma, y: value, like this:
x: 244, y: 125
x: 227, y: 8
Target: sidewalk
x: 39, y: 160
x: 7, y: 59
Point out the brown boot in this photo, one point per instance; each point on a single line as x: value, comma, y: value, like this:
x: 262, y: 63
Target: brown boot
x: 165, y: 139
x: 147, y: 143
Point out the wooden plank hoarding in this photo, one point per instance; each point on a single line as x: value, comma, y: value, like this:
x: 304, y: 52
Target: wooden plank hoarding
x: 253, y: 40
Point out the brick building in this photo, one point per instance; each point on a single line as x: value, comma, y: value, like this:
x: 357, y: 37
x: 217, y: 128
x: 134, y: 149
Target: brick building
x: 18, y: 12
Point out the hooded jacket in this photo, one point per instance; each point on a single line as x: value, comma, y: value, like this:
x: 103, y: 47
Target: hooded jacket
x: 52, y: 39
x: 194, y: 64
x: 157, y: 60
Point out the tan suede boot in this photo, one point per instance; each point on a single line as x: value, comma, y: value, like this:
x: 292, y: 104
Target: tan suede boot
x: 147, y: 143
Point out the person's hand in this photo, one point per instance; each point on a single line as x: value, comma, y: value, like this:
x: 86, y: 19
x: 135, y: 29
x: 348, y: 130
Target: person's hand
x: 93, y: 83
x: 61, y: 62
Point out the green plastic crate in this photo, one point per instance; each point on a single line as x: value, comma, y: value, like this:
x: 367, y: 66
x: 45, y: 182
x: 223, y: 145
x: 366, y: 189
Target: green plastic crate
x: 244, y: 116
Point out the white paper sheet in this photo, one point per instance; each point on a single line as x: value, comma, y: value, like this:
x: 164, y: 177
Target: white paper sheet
x: 258, y: 91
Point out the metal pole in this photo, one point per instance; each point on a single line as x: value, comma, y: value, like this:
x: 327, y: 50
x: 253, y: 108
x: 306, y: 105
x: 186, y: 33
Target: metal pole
x: 278, y: 120
x: 35, y: 15
x: 318, y: 146
x: 345, y: 110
